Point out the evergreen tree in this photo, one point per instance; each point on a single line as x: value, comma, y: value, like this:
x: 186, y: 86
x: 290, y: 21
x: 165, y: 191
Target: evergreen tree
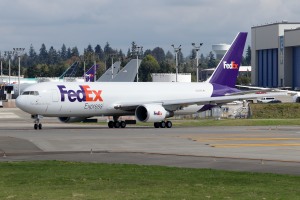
x: 128, y: 53
x: 52, y: 56
x: 248, y: 56
x: 89, y: 49
x: 108, y: 50
x: 75, y: 52
x: 32, y: 58
x: 159, y: 54
x: 147, y: 52
x: 43, y: 56
x: 69, y: 53
x: 63, y: 53
x: 169, y: 56
x: 211, y: 60
x: 99, y: 52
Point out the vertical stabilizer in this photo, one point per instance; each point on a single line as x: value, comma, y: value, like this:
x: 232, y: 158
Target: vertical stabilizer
x: 227, y: 70
x: 90, y: 74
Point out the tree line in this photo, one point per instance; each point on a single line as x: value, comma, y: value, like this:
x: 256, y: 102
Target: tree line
x: 52, y: 62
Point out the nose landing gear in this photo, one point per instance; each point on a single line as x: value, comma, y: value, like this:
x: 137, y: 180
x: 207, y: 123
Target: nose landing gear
x: 37, y: 124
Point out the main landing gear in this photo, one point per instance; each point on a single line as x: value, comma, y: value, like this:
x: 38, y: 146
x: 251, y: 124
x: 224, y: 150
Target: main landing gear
x: 163, y: 124
x: 37, y: 124
x: 116, y: 123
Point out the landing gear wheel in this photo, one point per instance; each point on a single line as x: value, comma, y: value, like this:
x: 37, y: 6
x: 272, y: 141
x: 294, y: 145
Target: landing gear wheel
x: 116, y: 124
x: 110, y: 124
x: 156, y: 124
x: 123, y: 124
x: 169, y: 124
x: 162, y: 124
x: 37, y: 124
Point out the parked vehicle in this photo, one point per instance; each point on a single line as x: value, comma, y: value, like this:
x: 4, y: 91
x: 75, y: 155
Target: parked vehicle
x: 275, y: 101
x: 266, y: 99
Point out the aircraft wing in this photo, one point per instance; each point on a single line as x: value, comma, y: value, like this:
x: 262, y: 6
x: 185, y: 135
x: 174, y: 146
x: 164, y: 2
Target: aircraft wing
x: 178, y: 104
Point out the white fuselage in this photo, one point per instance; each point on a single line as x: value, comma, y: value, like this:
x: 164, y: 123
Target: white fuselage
x: 102, y: 98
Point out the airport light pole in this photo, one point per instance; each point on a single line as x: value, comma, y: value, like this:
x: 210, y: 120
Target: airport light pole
x: 8, y: 54
x: 176, y: 50
x: 1, y: 73
x: 137, y: 50
x: 197, y: 48
x: 112, y: 64
x: 19, y: 52
x: 82, y: 58
x: 95, y: 68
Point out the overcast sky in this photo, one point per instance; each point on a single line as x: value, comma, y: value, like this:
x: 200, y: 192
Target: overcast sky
x: 149, y: 23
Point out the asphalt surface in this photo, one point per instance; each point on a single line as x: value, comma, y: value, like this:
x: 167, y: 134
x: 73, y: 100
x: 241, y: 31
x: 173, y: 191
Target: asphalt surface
x: 272, y: 149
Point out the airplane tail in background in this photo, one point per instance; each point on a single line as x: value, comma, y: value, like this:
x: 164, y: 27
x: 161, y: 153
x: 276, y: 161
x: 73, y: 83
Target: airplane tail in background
x: 227, y: 70
x: 110, y: 73
x: 89, y: 76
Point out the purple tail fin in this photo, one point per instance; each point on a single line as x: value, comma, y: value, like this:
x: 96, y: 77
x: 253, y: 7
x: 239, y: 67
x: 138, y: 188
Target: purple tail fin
x: 90, y: 74
x: 227, y: 70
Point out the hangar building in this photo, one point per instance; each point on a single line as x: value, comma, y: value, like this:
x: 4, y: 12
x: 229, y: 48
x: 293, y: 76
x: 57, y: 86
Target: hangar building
x: 275, y: 55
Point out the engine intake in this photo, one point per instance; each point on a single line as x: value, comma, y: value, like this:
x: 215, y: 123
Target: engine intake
x: 152, y: 113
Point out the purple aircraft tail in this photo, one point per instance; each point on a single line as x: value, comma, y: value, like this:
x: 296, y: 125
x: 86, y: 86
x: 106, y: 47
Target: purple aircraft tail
x: 227, y: 70
x: 90, y: 74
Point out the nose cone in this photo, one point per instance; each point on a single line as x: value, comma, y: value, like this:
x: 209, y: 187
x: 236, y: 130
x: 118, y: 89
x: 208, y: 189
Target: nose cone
x: 19, y: 102
x: 22, y: 103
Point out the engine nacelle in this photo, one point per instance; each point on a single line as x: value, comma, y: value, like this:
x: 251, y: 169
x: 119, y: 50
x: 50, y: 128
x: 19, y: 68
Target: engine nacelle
x: 152, y: 113
x: 71, y: 119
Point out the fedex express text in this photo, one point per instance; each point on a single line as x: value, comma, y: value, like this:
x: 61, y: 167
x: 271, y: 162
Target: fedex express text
x: 92, y: 98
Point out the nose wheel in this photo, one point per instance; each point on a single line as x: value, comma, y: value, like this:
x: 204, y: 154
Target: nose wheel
x: 37, y: 124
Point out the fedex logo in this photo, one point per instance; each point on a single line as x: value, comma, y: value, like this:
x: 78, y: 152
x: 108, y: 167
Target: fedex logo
x: 157, y: 113
x: 84, y: 94
x: 232, y: 65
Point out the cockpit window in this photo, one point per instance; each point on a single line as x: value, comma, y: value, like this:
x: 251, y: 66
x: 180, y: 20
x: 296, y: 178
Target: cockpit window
x: 35, y: 93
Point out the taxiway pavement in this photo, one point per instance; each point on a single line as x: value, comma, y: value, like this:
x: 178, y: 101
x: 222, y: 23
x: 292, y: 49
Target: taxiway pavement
x: 273, y: 149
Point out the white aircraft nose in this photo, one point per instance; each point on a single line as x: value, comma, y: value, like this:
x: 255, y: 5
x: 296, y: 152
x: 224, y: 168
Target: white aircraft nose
x: 21, y: 102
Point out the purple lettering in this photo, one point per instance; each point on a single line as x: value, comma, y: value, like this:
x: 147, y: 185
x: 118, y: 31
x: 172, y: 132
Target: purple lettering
x: 72, y: 95
x: 84, y: 94
x: 62, y: 92
x: 81, y: 94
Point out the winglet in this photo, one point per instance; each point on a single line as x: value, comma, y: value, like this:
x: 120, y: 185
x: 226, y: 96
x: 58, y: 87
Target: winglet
x: 227, y: 70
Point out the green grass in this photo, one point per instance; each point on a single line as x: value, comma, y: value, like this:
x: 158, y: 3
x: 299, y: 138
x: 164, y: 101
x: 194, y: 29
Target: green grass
x: 275, y: 110
x: 72, y: 180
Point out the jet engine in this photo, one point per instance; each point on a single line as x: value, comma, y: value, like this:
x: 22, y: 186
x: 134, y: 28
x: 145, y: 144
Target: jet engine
x: 71, y: 119
x: 152, y: 113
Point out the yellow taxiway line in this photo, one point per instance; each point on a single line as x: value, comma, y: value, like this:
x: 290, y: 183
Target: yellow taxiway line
x: 251, y: 145
x: 243, y: 139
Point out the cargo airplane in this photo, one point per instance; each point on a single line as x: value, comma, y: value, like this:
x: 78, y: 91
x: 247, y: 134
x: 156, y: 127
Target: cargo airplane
x: 148, y: 101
